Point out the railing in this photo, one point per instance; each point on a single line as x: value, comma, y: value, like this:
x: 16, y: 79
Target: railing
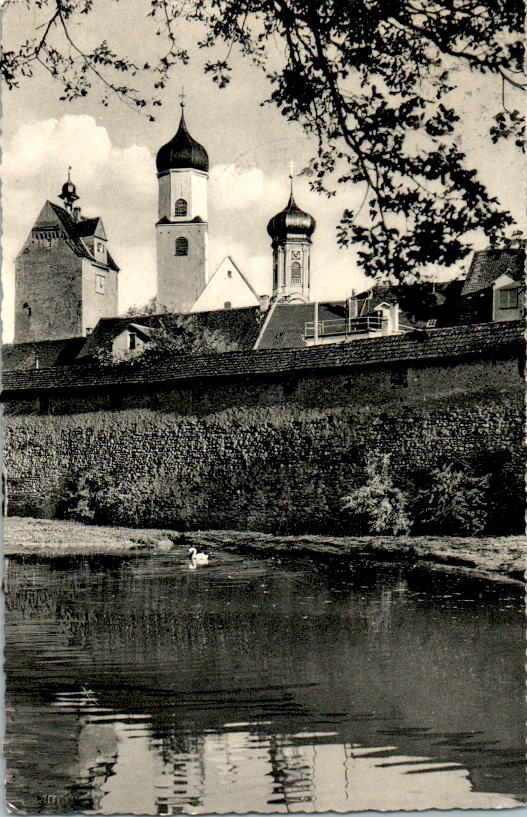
x: 343, y: 326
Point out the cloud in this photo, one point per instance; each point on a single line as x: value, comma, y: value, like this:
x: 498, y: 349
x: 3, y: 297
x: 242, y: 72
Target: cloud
x: 235, y: 188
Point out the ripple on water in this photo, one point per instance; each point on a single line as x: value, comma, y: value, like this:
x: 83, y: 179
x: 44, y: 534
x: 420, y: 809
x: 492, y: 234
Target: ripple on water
x: 136, y: 686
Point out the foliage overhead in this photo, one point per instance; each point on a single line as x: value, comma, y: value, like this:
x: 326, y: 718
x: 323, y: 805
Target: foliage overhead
x: 370, y: 80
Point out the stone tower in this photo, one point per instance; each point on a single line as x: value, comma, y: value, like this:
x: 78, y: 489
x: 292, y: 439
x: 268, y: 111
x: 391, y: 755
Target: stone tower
x: 182, y: 229
x: 291, y: 232
x: 65, y: 277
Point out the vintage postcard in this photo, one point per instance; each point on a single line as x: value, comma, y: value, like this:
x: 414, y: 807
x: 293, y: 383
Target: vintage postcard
x: 263, y: 406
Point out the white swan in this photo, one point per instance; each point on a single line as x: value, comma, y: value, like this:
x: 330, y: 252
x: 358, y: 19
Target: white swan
x: 198, y: 558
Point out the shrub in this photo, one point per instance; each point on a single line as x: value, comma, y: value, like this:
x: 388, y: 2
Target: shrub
x: 378, y: 506
x: 453, y: 503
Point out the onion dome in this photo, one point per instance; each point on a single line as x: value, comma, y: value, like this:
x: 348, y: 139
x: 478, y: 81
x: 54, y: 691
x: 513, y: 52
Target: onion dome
x: 182, y: 152
x: 291, y: 222
x: 69, y: 191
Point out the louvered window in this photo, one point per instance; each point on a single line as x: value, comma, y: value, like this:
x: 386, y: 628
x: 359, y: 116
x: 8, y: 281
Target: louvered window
x: 181, y: 207
x: 181, y: 246
x: 296, y: 273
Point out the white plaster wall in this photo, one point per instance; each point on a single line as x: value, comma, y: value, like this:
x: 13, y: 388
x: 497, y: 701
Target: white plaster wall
x: 181, y: 279
x: 223, y: 288
x: 190, y: 185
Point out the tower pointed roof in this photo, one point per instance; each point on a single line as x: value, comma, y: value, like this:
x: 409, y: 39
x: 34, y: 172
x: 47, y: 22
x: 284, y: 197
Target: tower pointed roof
x: 291, y: 221
x: 182, y: 151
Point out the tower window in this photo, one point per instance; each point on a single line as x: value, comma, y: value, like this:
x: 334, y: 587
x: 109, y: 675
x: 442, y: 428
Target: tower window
x: 296, y: 273
x: 100, y: 284
x: 181, y: 207
x: 229, y: 273
x: 27, y: 310
x: 181, y: 246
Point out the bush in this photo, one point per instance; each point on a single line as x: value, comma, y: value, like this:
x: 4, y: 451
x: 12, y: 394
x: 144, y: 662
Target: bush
x: 378, y: 506
x: 453, y: 503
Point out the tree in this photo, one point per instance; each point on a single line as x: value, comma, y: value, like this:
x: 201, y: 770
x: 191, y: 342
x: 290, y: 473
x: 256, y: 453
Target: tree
x: 184, y: 335
x: 378, y: 505
x: 371, y: 80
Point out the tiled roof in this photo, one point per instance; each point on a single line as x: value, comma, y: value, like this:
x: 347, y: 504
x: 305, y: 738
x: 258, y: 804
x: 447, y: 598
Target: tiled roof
x: 75, y: 231
x: 239, y: 326
x: 435, y: 344
x: 487, y: 265
x: 285, y: 326
x: 42, y: 353
x: 86, y: 227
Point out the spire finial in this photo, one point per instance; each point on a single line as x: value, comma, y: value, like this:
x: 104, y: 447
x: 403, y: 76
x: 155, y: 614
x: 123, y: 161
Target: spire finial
x: 291, y: 175
x: 182, y: 97
x: 69, y: 173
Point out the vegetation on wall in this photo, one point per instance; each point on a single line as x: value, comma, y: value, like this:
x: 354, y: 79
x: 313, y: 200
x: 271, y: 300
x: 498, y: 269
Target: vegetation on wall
x: 286, y: 471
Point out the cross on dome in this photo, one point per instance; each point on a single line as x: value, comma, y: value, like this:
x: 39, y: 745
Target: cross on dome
x: 182, y: 98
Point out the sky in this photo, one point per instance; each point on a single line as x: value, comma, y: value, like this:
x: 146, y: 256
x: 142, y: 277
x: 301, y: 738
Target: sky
x: 112, y: 153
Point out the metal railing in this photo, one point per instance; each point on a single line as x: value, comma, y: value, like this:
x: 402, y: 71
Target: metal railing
x: 349, y: 326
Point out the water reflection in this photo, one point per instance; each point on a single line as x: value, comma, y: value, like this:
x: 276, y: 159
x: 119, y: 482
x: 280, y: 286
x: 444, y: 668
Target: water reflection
x: 136, y: 686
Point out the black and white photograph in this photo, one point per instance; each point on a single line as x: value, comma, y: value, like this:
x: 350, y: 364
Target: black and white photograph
x: 263, y: 406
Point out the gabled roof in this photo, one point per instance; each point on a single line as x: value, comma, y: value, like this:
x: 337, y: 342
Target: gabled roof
x: 88, y: 227
x: 239, y: 326
x: 473, y: 341
x: 76, y: 230
x: 488, y: 265
x: 43, y: 353
x: 217, y: 290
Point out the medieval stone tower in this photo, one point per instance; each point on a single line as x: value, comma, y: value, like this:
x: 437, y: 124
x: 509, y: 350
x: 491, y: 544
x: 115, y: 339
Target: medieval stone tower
x: 291, y: 232
x: 65, y: 277
x: 182, y: 229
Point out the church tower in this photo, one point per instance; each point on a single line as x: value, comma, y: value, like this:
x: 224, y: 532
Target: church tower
x: 182, y: 230
x: 65, y: 277
x: 291, y: 232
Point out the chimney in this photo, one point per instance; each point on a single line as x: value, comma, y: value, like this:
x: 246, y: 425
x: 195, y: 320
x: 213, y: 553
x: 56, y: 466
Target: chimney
x: 77, y: 213
x: 264, y: 302
x: 352, y: 308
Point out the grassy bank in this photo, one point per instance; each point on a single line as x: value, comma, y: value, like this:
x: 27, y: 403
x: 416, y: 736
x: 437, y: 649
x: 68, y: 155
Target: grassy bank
x: 496, y: 558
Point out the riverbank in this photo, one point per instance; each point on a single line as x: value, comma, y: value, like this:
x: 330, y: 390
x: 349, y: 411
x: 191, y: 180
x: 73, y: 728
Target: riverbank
x: 495, y: 558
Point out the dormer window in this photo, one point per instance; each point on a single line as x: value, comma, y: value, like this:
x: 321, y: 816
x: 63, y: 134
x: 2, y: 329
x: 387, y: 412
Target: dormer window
x: 181, y: 208
x: 100, y: 246
x: 132, y: 340
x: 181, y: 246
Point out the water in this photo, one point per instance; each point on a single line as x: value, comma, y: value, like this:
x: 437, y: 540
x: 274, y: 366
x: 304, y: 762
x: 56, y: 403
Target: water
x: 139, y: 686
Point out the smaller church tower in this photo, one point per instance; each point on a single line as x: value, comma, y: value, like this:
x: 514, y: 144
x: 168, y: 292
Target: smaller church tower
x: 65, y: 277
x: 291, y: 232
x: 182, y: 229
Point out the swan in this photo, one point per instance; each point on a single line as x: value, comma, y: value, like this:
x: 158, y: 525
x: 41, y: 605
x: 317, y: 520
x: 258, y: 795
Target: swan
x: 198, y: 558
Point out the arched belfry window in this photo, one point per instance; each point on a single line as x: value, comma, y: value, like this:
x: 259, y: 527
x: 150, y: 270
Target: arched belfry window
x: 181, y: 246
x: 181, y: 207
x: 296, y: 273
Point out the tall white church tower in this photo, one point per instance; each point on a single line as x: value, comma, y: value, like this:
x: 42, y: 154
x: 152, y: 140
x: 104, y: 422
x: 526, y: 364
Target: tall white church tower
x: 291, y: 232
x: 182, y: 229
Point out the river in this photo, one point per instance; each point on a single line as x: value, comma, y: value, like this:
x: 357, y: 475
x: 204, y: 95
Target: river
x: 136, y: 685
